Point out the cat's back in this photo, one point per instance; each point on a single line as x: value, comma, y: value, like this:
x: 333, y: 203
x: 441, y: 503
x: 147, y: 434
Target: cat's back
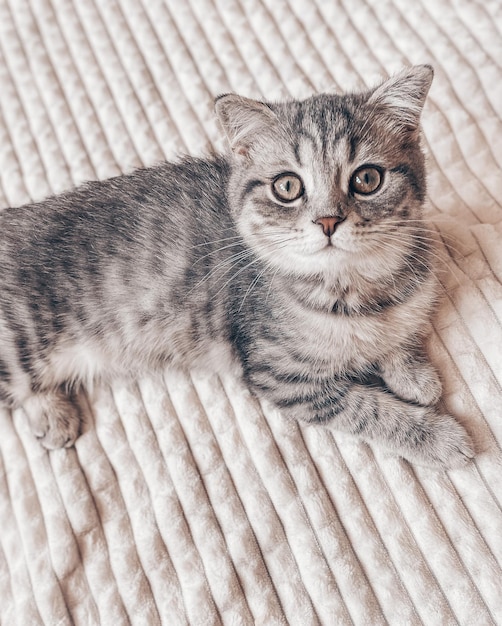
x: 149, y: 216
x: 110, y: 262
x: 166, y: 198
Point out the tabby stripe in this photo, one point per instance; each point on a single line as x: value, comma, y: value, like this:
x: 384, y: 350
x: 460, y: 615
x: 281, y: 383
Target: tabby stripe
x: 407, y: 172
x: 250, y: 185
x: 363, y: 419
x: 24, y: 352
x: 296, y: 150
x: 324, y: 400
x: 283, y: 377
x: 354, y: 143
x: 315, y: 411
x: 21, y: 340
x: 4, y: 373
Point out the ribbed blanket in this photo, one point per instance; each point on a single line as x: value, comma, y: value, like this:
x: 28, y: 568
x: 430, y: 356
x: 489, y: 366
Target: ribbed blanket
x: 185, y: 501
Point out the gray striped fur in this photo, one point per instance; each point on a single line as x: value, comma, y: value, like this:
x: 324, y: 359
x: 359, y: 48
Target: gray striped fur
x: 173, y: 264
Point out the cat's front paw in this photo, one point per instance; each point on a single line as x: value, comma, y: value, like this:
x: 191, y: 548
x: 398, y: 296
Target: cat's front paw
x: 418, y: 382
x: 54, y: 419
x: 442, y: 442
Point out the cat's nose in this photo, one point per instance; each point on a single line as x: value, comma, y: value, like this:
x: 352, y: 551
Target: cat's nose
x: 329, y: 224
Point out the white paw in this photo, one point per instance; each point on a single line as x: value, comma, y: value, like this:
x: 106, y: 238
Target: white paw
x: 443, y: 443
x: 420, y: 384
x: 54, y: 419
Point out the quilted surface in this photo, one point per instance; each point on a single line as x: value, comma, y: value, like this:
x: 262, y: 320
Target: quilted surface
x: 183, y: 501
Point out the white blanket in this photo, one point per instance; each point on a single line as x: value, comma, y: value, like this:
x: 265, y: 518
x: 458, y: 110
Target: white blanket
x: 184, y: 501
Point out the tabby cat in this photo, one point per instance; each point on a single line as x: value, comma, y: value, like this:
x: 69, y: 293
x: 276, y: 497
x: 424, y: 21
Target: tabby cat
x: 303, y: 251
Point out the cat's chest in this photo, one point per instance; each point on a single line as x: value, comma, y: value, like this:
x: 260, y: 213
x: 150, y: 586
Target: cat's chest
x: 349, y: 341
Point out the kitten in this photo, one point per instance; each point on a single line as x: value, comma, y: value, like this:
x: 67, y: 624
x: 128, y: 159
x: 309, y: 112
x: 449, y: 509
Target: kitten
x: 304, y: 250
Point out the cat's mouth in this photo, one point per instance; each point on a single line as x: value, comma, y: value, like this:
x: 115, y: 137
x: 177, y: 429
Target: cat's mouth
x: 330, y: 246
x: 334, y: 245
x: 346, y: 248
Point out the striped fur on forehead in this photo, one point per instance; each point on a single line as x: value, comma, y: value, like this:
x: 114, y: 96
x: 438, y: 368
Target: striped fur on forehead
x: 341, y: 131
x: 324, y: 140
x: 326, y: 168
x: 324, y: 123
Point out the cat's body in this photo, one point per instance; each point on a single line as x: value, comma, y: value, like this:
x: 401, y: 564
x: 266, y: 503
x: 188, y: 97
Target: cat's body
x: 304, y: 255
x: 107, y: 288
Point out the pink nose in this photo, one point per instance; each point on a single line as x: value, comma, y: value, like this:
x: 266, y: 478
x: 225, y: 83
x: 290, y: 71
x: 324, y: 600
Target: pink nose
x: 329, y: 224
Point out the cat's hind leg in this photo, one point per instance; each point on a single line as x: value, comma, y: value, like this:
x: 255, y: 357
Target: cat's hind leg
x: 54, y: 418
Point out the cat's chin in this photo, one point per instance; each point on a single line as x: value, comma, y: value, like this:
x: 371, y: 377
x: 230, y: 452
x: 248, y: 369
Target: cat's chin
x: 321, y: 261
x: 341, y: 258
x: 337, y: 249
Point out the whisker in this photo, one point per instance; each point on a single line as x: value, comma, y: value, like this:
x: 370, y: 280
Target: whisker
x: 420, y: 245
x: 270, y: 284
x: 425, y: 228
x: 421, y: 262
x: 421, y: 235
x: 269, y: 253
x: 215, y: 241
x: 255, y: 260
x: 430, y: 252
x: 231, y: 261
x: 252, y: 285
x: 234, y: 260
x: 260, y: 274
x: 230, y: 245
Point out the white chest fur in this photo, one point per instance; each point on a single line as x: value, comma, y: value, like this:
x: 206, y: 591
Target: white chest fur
x: 347, y: 342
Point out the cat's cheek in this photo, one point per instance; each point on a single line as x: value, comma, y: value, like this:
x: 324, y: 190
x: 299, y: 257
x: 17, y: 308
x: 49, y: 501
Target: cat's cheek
x: 345, y: 239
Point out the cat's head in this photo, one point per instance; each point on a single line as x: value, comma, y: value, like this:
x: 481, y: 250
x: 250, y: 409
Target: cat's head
x: 331, y: 182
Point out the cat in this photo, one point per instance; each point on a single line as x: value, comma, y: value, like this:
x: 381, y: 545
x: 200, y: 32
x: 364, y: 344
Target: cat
x: 302, y: 252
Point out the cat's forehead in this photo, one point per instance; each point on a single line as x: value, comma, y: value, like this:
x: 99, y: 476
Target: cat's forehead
x: 337, y: 129
x: 328, y: 114
x: 323, y: 128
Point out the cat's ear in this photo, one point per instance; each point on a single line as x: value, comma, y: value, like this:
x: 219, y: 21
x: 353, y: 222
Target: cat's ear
x: 244, y: 121
x: 403, y: 95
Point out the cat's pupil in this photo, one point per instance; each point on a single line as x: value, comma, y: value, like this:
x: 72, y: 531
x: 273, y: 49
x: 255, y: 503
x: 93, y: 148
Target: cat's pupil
x: 287, y: 187
x: 366, y: 180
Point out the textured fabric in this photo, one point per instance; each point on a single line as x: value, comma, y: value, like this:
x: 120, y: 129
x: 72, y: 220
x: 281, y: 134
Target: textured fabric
x: 184, y: 501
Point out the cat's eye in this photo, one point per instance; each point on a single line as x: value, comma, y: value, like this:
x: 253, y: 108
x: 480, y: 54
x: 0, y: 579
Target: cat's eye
x: 366, y: 180
x: 287, y: 187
